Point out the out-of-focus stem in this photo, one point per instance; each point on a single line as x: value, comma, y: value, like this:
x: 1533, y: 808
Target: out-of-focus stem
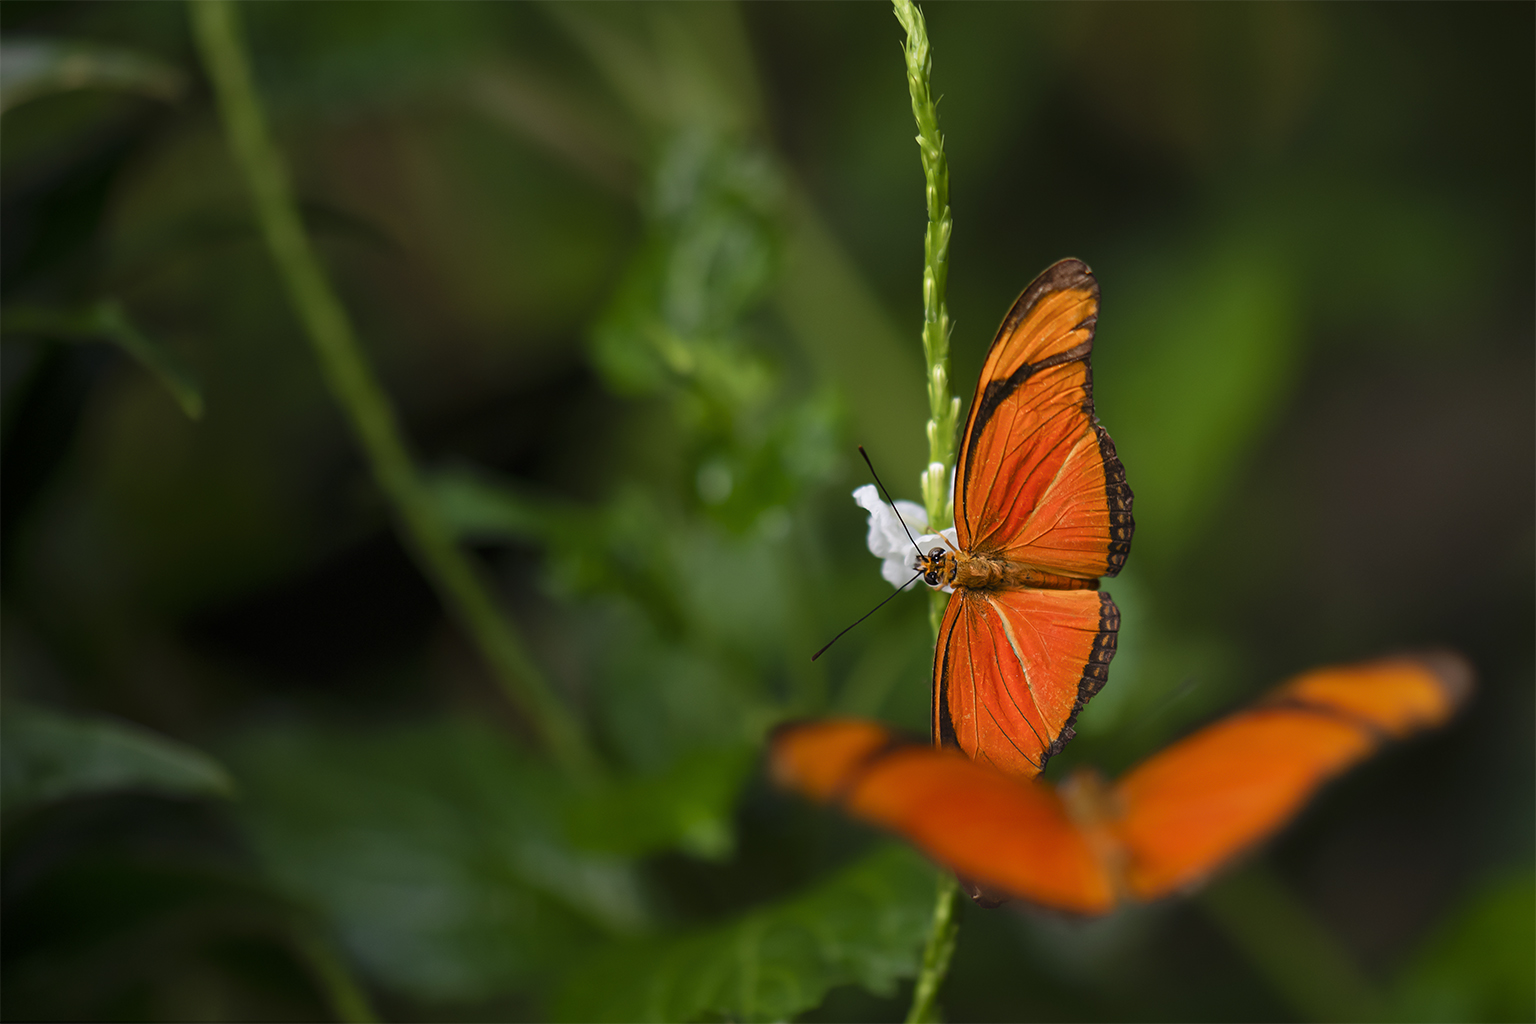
x: 355, y: 388
x: 348, y: 1000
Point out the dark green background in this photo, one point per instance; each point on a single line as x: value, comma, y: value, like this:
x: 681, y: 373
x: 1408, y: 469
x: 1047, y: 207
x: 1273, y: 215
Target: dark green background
x: 1313, y: 230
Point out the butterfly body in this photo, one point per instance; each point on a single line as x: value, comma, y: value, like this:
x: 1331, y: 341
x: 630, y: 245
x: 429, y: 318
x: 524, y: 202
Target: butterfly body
x: 1042, y: 511
x: 961, y: 570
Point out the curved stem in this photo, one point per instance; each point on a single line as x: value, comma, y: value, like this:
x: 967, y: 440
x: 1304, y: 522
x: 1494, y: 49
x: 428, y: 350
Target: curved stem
x: 349, y: 1002
x: 936, y: 954
x: 357, y: 391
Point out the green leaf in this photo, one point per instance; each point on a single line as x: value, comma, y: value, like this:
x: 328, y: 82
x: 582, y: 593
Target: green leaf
x: 688, y: 806
x: 437, y: 853
x: 106, y: 320
x: 478, y: 506
x: 1201, y: 356
x: 47, y: 756
x: 678, y: 661
x: 1481, y: 964
x: 864, y: 926
x: 616, y: 546
x: 711, y: 253
x: 30, y: 68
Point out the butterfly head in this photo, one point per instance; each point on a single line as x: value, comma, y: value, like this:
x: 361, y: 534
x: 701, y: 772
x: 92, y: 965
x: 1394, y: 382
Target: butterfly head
x: 937, y: 567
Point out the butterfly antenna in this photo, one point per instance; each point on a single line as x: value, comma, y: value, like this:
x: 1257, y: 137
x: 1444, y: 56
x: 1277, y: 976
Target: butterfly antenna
x: 889, y: 502
x: 866, y: 615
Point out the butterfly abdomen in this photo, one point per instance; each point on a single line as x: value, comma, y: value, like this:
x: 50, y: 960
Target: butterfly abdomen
x: 981, y: 572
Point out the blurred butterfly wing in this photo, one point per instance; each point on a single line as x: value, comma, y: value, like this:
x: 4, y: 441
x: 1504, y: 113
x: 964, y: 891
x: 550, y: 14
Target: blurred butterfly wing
x: 1013, y: 837
x: 1038, y: 480
x: 1012, y: 669
x: 1212, y: 795
x: 1195, y: 805
x: 1396, y: 696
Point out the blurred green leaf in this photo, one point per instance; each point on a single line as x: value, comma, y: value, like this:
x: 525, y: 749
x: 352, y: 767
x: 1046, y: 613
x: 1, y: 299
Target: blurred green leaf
x: 1289, y: 947
x: 30, y: 68
x: 657, y: 697
x: 106, y: 320
x: 1481, y: 964
x: 479, y: 506
x: 676, y: 642
x: 436, y: 851
x: 671, y: 64
x: 618, y: 546
x: 712, y: 251
x: 47, y: 756
x: 683, y: 801
x: 848, y: 336
x: 687, y: 806
x: 1215, y: 353
x: 864, y: 926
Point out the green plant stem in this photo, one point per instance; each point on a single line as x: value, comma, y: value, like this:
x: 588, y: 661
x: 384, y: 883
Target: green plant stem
x: 348, y: 1000
x: 1294, y: 952
x: 358, y: 392
x: 943, y: 409
x: 936, y: 954
x: 943, y: 414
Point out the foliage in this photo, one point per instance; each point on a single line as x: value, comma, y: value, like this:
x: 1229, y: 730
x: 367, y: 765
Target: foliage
x: 1476, y: 966
x: 861, y: 926
x: 107, y: 320
x: 46, y: 757
x: 436, y: 852
x: 35, y: 67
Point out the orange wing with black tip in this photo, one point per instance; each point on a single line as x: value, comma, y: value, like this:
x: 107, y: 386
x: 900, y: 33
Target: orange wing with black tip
x: 1195, y: 805
x: 1014, y: 837
x: 1012, y: 669
x: 1164, y: 826
x: 1037, y: 479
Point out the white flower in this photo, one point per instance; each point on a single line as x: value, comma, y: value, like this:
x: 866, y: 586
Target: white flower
x: 889, y: 542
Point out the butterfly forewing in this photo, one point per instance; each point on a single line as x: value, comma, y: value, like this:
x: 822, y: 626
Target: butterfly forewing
x: 1038, y: 479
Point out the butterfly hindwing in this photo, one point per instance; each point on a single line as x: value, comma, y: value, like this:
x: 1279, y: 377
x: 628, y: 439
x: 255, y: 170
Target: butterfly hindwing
x: 1014, y: 667
x: 1038, y: 478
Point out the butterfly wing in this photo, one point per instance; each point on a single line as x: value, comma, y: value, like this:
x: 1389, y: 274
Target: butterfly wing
x: 1192, y: 807
x: 1038, y: 480
x: 1012, y: 836
x: 1012, y: 669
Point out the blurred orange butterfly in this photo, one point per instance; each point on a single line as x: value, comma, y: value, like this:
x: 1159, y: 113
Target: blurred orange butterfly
x: 1042, y: 510
x: 1162, y: 827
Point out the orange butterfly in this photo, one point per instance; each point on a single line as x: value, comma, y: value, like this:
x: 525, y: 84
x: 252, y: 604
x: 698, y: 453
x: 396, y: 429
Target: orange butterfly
x: 1042, y: 511
x: 1164, y: 826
